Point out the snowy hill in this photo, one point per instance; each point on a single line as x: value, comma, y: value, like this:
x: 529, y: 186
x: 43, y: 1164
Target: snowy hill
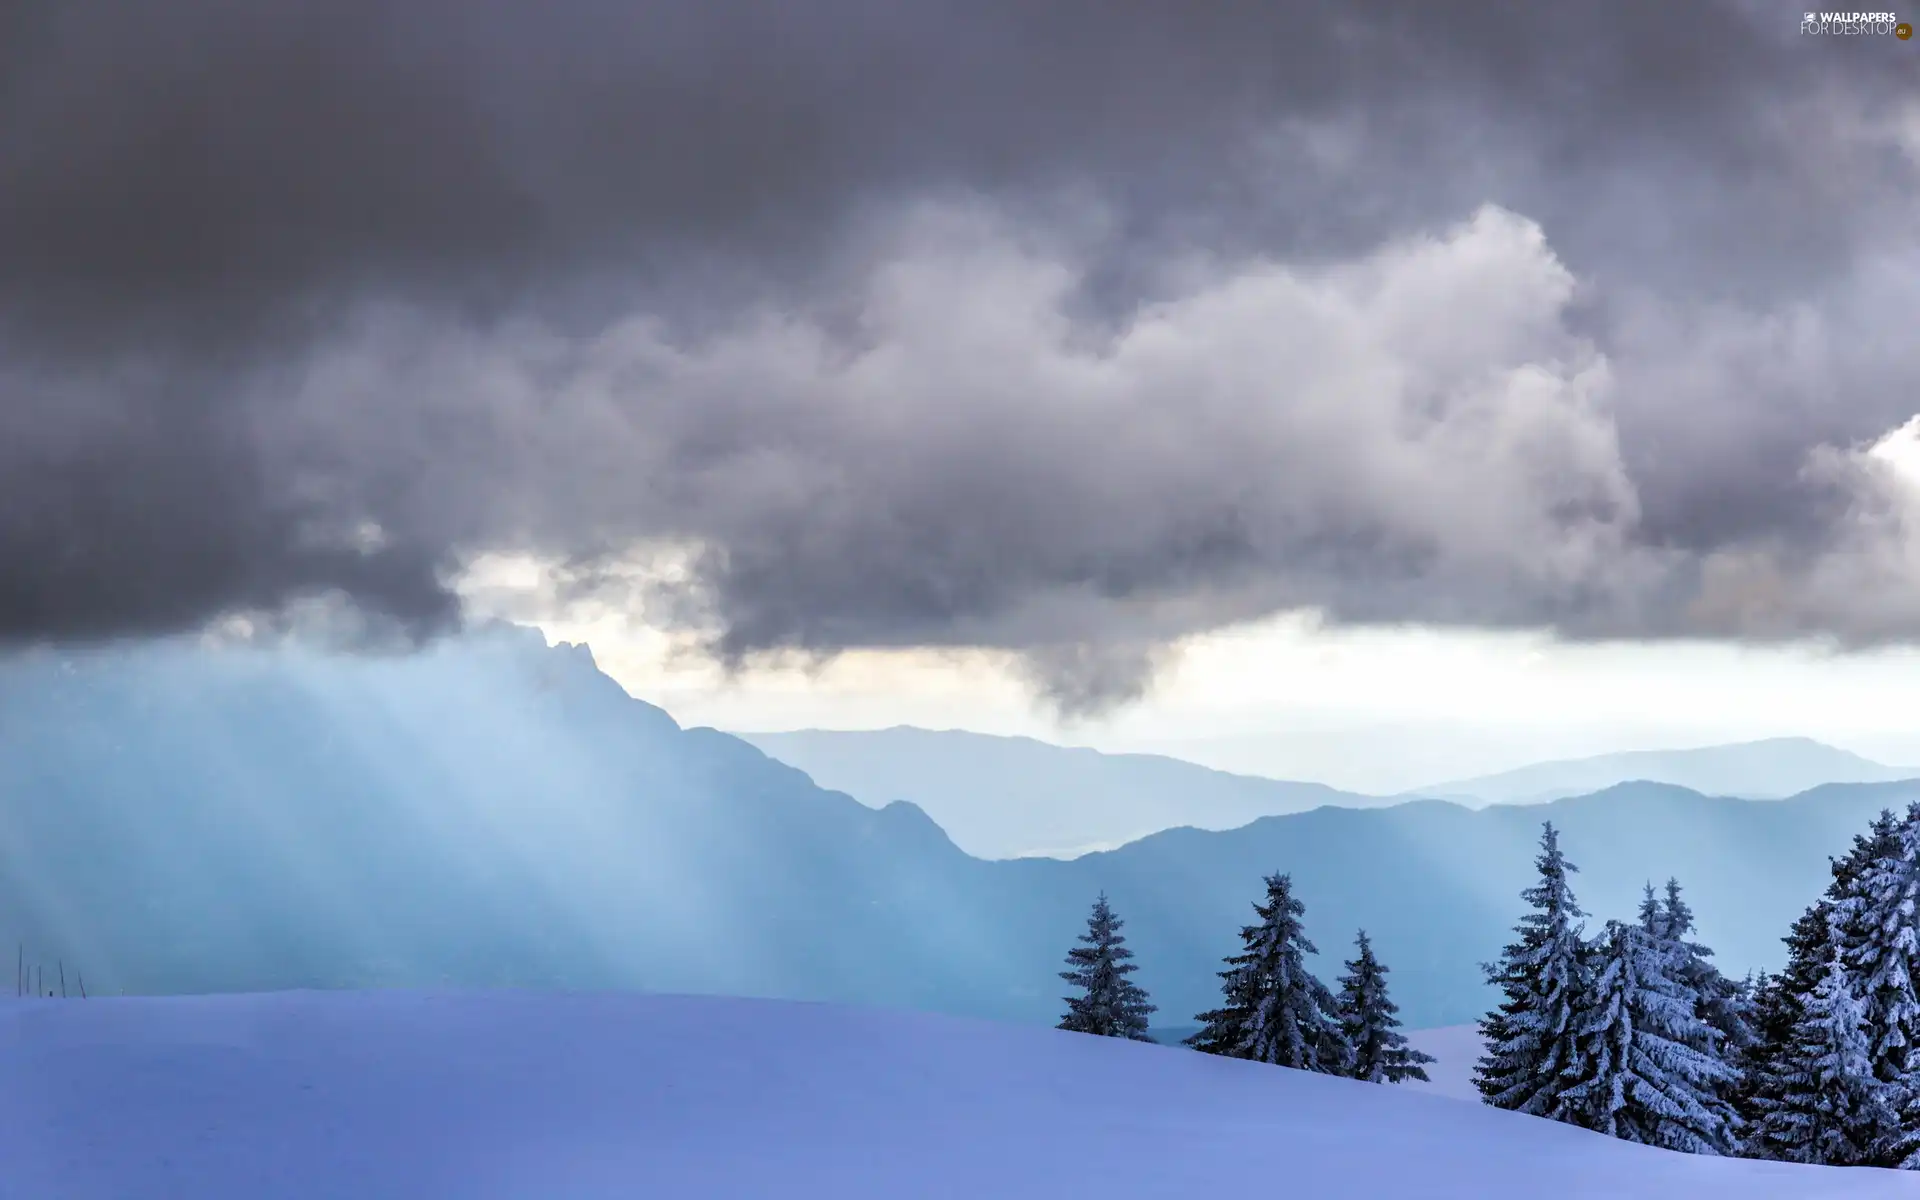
x: 303, y: 1096
x: 1007, y: 797
x: 1765, y: 770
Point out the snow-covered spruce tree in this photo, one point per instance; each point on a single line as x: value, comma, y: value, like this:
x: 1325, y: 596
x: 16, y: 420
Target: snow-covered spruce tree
x: 1901, y: 1147
x: 1826, y: 1106
x: 1530, y: 1038
x: 1877, y: 915
x: 1653, y: 918
x: 1779, y: 1002
x: 1726, y: 1005
x: 1276, y: 1011
x: 1368, y: 1020
x: 1109, y: 1004
x: 1647, y: 1071
x: 1876, y: 918
x: 1723, y: 1006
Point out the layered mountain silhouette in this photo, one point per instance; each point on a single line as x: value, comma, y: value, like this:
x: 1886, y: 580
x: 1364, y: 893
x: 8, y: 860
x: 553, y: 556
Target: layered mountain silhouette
x: 493, y: 811
x: 1010, y: 797
x: 1763, y: 770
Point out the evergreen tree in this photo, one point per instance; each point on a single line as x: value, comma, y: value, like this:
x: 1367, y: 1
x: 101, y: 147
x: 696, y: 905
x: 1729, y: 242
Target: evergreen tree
x: 1881, y: 949
x: 1531, y: 1038
x: 1901, y: 1145
x: 1275, y: 1010
x: 1724, y: 1004
x: 1647, y: 1069
x: 1779, y: 1001
x: 1110, y: 1004
x: 1877, y: 916
x: 1826, y: 1107
x: 1368, y: 1020
x: 1723, y: 1007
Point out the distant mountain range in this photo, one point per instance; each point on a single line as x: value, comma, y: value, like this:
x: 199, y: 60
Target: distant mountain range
x: 1763, y: 770
x: 1008, y: 797
x: 495, y: 812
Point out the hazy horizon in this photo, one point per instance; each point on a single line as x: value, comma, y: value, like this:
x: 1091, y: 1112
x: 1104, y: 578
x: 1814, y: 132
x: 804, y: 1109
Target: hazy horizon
x: 1285, y: 757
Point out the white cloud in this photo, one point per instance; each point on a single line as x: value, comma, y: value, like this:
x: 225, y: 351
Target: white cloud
x: 1411, y: 435
x: 1860, y: 582
x: 961, y: 455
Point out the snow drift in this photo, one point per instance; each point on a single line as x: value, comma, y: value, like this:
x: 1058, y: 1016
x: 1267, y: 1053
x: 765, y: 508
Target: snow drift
x: 500, y: 1096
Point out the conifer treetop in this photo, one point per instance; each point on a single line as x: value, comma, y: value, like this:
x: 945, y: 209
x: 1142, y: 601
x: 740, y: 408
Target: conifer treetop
x: 1647, y: 1066
x: 1369, y: 1021
x: 1110, y: 1004
x: 1275, y: 1009
x: 1531, y: 1037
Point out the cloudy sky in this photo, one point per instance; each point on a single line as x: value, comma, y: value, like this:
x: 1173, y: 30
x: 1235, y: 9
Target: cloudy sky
x: 1123, y: 369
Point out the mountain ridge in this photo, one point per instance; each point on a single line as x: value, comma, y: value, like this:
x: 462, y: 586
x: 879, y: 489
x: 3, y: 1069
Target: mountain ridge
x: 1011, y: 796
x: 498, y: 813
x: 1763, y: 769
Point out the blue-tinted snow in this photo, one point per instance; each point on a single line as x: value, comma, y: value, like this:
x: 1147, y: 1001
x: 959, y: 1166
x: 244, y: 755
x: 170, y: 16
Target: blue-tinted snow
x: 524, y: 1096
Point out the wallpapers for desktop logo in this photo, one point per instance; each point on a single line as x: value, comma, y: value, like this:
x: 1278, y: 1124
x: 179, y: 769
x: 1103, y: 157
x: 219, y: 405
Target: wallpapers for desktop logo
x: 1856, y: 23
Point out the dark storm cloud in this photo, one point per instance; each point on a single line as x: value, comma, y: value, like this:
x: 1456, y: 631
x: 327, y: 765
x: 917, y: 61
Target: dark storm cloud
x: 880, y: 306
x: 162, y: 159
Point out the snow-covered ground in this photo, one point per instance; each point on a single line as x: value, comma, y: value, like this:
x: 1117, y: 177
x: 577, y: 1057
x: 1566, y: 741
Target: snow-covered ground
x: 496, y: 1096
